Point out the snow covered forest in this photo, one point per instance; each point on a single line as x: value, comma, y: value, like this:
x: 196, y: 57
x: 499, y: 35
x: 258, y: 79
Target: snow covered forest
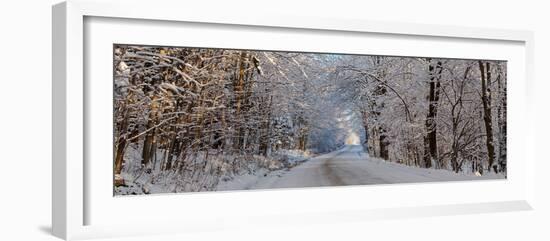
x: 196, y: 119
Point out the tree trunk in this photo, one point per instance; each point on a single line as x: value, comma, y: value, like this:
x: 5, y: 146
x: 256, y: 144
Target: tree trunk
x: 146, y: 153
x: 502, y: 121
x: 238, y: 88
x: 430, y: 141
x: 121, y: 143
x: 364, y: 118
x: 265, y: 141
x: 148, y: 143
x: 172, y: 151
x: 485, y: 70
x: 383, y: 143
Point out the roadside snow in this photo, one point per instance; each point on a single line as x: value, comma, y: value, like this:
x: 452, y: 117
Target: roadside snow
x: 250, y: 181
x: 203, y: 172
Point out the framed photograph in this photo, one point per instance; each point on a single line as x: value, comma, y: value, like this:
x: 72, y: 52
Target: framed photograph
x: 167, y: 122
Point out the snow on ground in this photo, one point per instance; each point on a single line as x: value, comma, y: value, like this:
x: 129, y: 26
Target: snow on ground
x: 347, y: 166
x: 203, y: 172
x: 251, y: 180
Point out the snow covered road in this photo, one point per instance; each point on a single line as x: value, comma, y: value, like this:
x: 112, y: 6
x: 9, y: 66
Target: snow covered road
x: 347, y: 166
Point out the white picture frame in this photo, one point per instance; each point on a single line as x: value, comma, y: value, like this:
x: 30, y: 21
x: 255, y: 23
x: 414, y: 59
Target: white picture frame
x: 74, y: 200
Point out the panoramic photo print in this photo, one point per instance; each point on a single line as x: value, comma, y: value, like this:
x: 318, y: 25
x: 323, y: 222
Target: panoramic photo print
x: 189, y: 119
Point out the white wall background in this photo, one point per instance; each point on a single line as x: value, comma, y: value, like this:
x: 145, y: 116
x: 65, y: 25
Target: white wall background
x: 25, y: 119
